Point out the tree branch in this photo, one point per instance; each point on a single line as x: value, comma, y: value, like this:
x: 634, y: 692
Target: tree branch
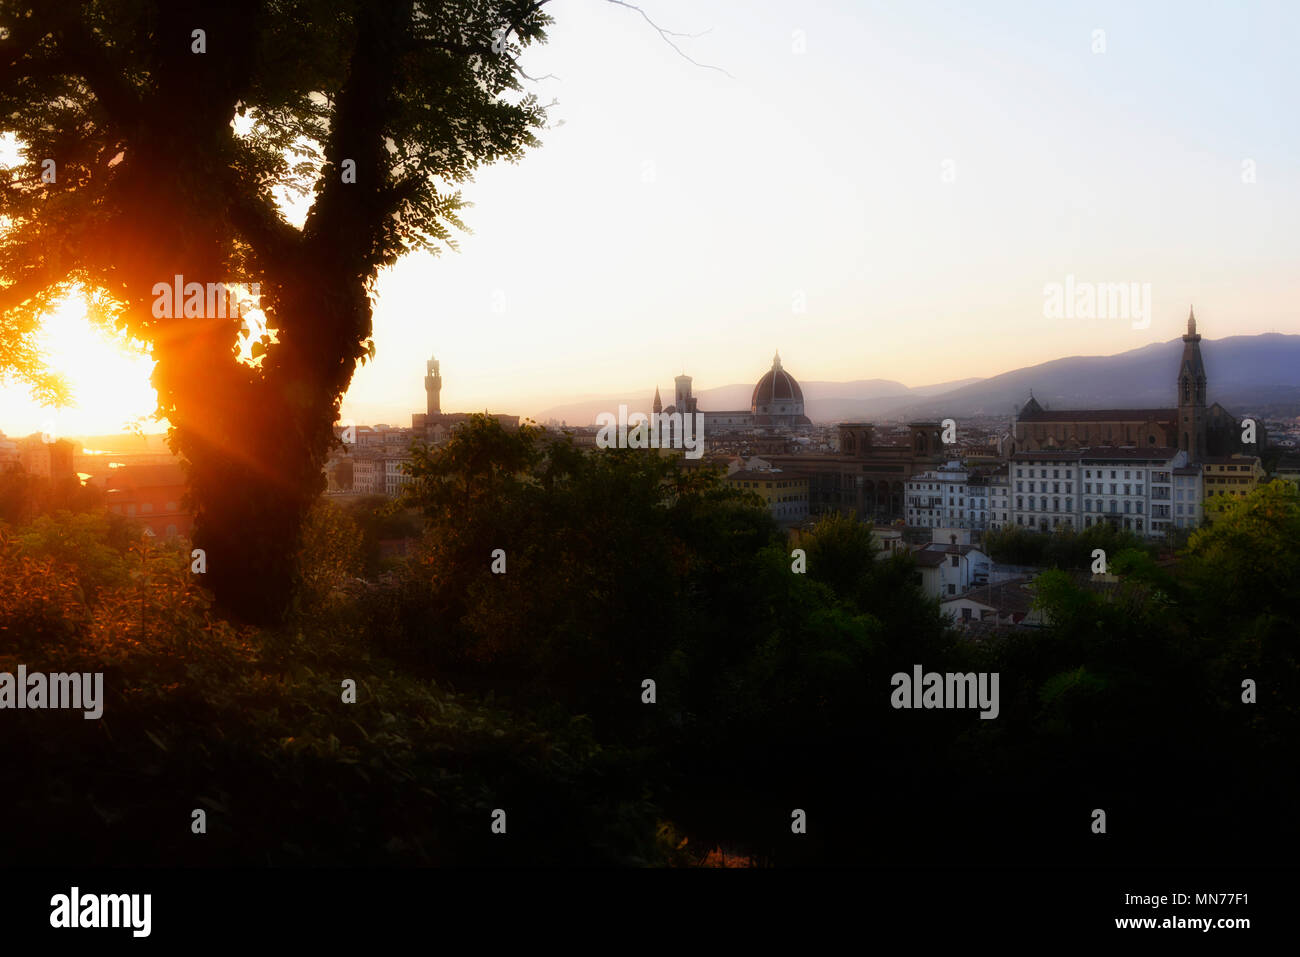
x: 668, y: 36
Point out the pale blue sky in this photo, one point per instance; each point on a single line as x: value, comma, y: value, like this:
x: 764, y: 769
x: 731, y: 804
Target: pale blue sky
x: 820, y: 174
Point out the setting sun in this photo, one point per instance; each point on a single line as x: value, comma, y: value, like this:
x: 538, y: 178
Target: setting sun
x: 108, y: 376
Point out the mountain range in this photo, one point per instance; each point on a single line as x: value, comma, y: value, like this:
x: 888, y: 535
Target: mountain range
x: 1258, y: 374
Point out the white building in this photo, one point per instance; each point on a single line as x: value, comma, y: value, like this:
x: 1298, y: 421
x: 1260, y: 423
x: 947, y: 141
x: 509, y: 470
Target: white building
x: 1131, y: 488
x: 946, y: 498
x: 948, y: 570
x: 999, y: 486
x: 1188, y: 497
x: 367, y: 476
x: 395, y: 477
x: 1045, y: 488
x: 1001, y: 605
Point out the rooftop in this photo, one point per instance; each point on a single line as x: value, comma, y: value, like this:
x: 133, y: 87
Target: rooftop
x: 1098, y: 415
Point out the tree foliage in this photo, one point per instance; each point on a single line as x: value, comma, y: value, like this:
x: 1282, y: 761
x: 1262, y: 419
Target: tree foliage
x: 174, y: 162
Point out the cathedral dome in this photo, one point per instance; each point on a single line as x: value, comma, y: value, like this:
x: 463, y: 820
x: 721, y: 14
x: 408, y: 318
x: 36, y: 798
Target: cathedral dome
x: 777, y: 388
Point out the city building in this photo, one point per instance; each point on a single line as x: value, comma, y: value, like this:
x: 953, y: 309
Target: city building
x: 868, y: 475
x: 1045, y: 488
x: 999, y: 486
x: 1192, y: 427
x: 776, y: 405
x: 950, y: 569
x: 786, y: 494
x: 1006, y: 604
x: 1288, y: 469
x: 1187, y: 497
x: 1235, y: 476
x: 1130, y: 488
x: 951, y: 496
x: 151, y: 494
x: 435, y: 426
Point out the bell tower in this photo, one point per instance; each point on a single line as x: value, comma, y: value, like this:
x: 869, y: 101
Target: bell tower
x: 433, y: 387
x: 1191, y: 395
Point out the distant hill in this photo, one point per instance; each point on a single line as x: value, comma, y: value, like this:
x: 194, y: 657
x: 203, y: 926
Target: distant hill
x: 1259, y: 374
x: 824, y: 401
x: 1246, y: 374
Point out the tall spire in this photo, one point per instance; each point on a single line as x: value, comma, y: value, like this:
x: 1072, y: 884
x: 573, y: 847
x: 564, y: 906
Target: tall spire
x: 776, y: 360
x: 1192, y: 424
x: 658, y: 403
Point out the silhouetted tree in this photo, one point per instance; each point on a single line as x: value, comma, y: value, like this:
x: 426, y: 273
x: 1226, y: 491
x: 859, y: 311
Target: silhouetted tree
x: 170, y: 147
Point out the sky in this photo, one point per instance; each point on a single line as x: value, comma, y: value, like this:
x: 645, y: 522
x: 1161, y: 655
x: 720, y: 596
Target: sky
x: 878, y: 190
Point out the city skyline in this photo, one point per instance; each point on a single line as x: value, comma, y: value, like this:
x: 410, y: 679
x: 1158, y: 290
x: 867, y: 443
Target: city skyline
x: 801, y: 179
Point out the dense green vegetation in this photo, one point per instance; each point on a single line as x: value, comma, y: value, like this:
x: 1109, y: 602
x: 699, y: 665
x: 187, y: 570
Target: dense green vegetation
x: 1065, y: 547
x: 524, y: 690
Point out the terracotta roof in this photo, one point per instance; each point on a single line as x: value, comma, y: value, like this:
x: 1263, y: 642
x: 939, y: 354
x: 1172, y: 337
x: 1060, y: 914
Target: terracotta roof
x: 1048, y: 454
x: 1099, y: 415
x: 1008, y: 597
x: 949, y: 549
x: 1154, y: 453
x: 750, y: 475
x: 140, y: 476
x: 777, y: 385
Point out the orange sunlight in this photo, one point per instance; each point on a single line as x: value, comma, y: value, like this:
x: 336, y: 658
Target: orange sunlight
x: 108, y: 377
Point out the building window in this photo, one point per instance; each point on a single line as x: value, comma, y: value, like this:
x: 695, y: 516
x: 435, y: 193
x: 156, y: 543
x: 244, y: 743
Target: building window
x: 955, y: 559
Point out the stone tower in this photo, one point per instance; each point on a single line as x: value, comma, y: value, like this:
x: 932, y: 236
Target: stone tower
x: 433, y: 387
x: 1191, y: 395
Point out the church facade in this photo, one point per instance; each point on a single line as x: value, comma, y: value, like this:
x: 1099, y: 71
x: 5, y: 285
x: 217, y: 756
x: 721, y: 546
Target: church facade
x: 1192, y: 426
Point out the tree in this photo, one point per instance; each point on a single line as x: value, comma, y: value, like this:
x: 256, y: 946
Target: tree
x: 173, y: 127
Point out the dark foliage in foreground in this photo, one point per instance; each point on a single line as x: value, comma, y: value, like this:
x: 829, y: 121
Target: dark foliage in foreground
x: 523, y: 690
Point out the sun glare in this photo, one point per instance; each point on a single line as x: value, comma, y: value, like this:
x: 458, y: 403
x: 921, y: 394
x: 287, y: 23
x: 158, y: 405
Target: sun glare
x: 108, y: 376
